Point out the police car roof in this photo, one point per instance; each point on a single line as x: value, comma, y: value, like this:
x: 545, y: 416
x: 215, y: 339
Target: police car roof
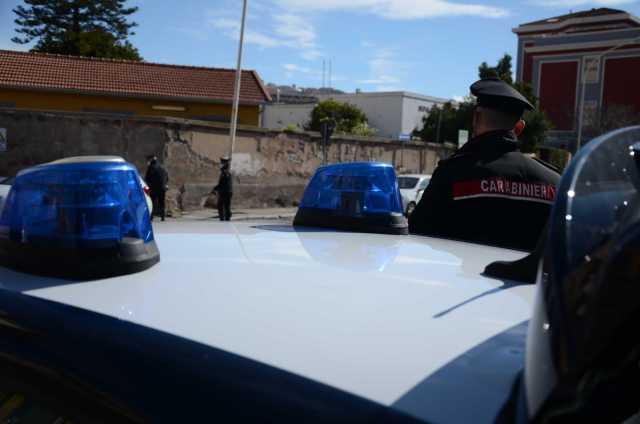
x: 374, y: 315
x: 88, y: 159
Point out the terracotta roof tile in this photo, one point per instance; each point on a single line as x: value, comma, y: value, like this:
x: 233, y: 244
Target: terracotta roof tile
x: 126, y: 78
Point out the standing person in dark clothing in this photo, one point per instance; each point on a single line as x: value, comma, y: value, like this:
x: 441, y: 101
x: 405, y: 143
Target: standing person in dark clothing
x: 157, y: 179
x: 489, y: 192
x: 224, y: 190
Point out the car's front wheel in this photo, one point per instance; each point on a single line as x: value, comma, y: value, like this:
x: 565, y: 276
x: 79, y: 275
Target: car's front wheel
x: 410, y: 207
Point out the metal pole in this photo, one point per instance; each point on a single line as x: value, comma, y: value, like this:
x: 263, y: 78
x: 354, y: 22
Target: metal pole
x: 236, y: 95
x: 584, y: 83
x: 324, y: 71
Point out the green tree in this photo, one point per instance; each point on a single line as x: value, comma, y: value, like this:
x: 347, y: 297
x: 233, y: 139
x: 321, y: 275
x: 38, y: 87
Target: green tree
x: 349, y: 118
x: 451, y: 118
x: 503, y: 70
x: 459, y: 117
x: 96, y: 28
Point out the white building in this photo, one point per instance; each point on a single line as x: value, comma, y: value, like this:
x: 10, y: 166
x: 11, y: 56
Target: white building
x: 392, y: 114
x: 281, y: 115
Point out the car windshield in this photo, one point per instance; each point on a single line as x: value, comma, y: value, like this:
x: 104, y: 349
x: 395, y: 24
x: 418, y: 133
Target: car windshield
x: 7, y: 181
x: 407, y: 182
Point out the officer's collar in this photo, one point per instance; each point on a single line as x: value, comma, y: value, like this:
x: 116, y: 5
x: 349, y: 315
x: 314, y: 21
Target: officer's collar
x: 492, y: 140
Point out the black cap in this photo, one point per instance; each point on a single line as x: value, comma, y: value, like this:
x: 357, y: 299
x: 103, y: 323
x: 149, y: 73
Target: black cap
x: 493, y: 93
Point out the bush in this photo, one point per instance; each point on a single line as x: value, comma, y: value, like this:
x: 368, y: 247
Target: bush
x: 291, y: 128
x: 348, y: 117
x: 556, y: 157
x: 364, y: 130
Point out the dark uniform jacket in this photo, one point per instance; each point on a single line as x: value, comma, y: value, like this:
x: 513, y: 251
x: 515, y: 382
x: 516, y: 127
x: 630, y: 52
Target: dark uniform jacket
x: 225, y: 183
x: 157, y: 178
x: 488, y: 192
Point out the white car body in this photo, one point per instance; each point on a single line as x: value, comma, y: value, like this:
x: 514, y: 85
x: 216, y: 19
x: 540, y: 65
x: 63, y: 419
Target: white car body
x: 5, y: 187
x: 379, y: 316
x: 414, y: 185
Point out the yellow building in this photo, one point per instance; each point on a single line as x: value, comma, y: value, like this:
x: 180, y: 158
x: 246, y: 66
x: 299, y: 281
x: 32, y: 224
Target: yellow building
x: 41, y: 81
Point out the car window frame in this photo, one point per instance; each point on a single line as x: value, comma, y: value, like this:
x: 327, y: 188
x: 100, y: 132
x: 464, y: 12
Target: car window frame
x: 413, y: 187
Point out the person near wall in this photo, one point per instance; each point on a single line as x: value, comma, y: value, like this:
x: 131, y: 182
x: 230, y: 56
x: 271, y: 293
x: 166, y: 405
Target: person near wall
x: 157, y: 179
x: 224, y: 189
x: 489, y: 192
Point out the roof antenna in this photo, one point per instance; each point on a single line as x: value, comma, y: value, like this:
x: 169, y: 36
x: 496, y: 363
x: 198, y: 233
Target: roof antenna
x: 324, y: 71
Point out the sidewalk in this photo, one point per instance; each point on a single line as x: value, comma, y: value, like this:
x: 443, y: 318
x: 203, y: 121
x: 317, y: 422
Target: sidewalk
x: 241, y: 214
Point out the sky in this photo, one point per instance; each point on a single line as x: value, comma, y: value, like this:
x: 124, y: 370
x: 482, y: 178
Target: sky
x: 430, y: 47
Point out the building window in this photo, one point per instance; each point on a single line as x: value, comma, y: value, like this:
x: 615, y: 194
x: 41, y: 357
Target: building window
x: 557, y: 92
x: 622, y: 83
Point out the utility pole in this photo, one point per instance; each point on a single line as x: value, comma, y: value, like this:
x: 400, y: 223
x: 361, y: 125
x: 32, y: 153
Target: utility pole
x: 236, y: 95
x: 439, y: 124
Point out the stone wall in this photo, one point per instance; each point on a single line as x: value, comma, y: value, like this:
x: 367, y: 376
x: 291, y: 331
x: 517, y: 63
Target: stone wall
x: 271, y: 168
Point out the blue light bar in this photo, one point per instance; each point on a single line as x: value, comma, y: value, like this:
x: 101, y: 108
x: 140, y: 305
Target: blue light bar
x: 361, y: 196
x: 78, y: 219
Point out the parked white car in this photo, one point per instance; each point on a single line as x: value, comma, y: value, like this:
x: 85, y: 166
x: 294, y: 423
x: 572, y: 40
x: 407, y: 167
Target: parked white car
x: 147, y: 195
x: 5, y: 187
x: 411, y: 188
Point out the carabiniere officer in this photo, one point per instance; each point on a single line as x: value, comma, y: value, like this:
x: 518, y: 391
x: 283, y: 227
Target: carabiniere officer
x: 489, y: 192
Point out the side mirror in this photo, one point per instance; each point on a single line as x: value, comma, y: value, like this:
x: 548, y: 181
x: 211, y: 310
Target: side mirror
x: 583, y: 346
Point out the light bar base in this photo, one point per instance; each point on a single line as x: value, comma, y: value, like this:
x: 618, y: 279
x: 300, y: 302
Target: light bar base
x: 392, y: 223
x: 128, y: 257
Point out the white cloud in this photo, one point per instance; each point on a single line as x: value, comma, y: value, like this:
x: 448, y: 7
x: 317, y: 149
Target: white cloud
x: 298, y: 33
x: 231, y: 29
x: 288, y: 30
x: 296, y: 68
x: 262, y: 40
x: 386, y: 72
x: 295, y: 28
x: 401, y: 9
x: 571, y: 3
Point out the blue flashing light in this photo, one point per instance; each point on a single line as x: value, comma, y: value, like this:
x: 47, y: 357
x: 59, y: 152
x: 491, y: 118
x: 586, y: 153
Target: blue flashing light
x: 361, y: 196
x: 92, y: 212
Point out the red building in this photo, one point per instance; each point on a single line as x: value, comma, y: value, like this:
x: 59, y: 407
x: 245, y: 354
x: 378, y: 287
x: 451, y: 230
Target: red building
x: 595, y: 51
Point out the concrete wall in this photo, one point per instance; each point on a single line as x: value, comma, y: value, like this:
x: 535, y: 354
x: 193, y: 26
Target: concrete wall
x: 271, y: 168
